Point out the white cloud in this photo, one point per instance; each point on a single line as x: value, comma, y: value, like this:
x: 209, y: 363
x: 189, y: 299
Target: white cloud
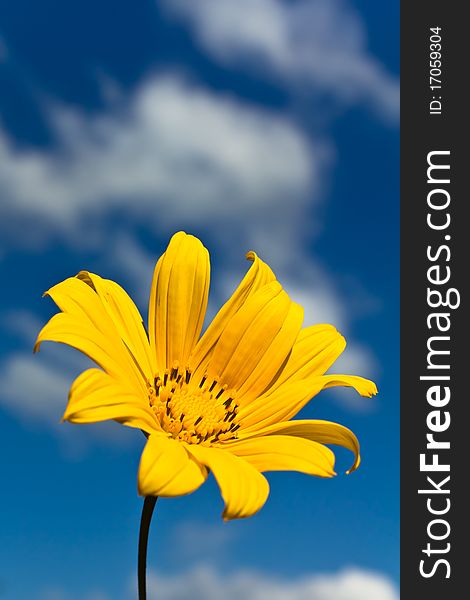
x: 312, y: 44
x: 33, y: 390
x: 173, y: 156
x: 204, y: 583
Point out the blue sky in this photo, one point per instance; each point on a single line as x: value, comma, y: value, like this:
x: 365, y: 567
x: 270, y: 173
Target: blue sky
x: 261, y: 125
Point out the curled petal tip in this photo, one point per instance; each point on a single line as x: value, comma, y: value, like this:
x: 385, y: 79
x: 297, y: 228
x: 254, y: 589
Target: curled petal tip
x: 46, y: 293
x: 355, y: 466
x: 369, y: 389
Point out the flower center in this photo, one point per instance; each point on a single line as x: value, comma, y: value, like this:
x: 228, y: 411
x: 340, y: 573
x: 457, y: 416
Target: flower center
x: 202, y: 412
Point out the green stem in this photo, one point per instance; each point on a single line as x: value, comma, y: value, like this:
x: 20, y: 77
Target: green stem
x: 147, y: 511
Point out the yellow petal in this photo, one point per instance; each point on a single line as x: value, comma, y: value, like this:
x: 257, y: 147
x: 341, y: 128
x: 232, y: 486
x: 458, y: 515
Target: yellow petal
x: 166, y: 469
x: 178, y: 300
x: 105, y: 352
x: 286, y: 453
x: 257, y: 277
x: 315, y: 350
x: 266, y: 318
x: 126, y: 317
x: 243, y: 488
x: 95, y: 396
x: 323, y: 432
x: 85, y: 325
x: 285, y: 402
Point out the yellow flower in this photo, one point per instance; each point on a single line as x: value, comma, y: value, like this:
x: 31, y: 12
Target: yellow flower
x: 221, y: 401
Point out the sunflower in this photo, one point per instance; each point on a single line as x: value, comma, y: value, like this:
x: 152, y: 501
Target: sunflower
x: 220, y: 402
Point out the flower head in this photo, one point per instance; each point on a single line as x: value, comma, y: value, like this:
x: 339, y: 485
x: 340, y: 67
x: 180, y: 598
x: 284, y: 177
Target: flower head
x: 221, y: 401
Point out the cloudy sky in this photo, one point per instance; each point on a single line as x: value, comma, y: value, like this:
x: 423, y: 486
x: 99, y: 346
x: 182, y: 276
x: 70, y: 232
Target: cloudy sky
x: 260, y: 125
